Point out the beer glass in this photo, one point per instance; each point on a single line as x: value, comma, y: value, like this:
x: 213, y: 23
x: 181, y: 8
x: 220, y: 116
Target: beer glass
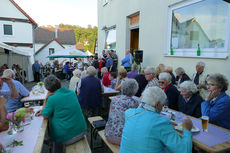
x: 204, y: 120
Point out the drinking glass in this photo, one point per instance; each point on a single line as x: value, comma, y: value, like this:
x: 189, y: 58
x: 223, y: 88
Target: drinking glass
x: 179, y: 116
x: 204, y: 120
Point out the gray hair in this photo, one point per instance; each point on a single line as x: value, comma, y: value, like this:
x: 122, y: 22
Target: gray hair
x: 150, y: 70
x: 189, y: 86
x: 104, y: 70
x: 201, y: 64
x: 221, y: 81
x: 152, y: 95
x: 83, y: 74
x: 129, y: 87
x: 8, y: 73
x: 76, y: 72
x: 134, y: 67
x: 52, y: 83
x: 91, y: 71
x: 166, y: 76
x: 180, y: 70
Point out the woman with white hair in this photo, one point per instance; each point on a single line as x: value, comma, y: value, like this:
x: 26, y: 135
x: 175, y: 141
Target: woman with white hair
x: 150, y: 76
x: 74, y: 80
x: 189, y: 101
x: 118, y: 106
x: 146, y: 130
x: 169, y: 89
x: 89, y: 94
x: 181, y: 76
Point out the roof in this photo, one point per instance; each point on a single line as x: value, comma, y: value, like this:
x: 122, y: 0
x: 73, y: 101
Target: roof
x: 44, y: 35
x: 14, y: 49
x: 57, y: 40
x: 23, y: 12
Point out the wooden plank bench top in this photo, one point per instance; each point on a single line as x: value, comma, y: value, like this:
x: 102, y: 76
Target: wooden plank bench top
x: 81, y: 146
x: 114, y: 148
x: 95, y: 118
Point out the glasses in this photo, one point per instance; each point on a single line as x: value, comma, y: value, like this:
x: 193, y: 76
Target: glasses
x: 161, y: 82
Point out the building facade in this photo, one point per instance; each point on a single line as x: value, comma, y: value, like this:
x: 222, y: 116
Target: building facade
x: 168, y: 31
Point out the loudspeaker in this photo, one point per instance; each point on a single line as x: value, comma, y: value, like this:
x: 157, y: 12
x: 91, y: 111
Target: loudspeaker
x: 6, y: 51
x: 138, y: 56
x: 227, y: 1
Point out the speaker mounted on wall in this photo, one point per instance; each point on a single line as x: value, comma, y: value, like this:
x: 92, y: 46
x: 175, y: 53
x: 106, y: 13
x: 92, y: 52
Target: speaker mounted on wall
x: 6, y: 51
x: 138, y: 56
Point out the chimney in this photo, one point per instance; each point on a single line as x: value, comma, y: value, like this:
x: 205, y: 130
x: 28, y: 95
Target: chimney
x: 56, y: 31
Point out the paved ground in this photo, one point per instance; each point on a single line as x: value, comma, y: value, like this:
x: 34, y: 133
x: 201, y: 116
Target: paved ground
x: 97, y: 142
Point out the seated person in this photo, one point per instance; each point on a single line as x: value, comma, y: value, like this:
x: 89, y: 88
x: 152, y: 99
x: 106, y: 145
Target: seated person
x: 118, y: 106
x: 217, y: 104
x: 3, y: 123
x: 142, y: 82
x: 122, y: 75
x: 134, y: 71
x: 181, y: 76
x: 105, y: 77
x: 146, y: 130
x: 13, y: 104
x: 189, y: 101
x: 169, y: 89
x: 113, y: 80
x: 150, y: 76
x: 169, y: 70
x: 61, y: 107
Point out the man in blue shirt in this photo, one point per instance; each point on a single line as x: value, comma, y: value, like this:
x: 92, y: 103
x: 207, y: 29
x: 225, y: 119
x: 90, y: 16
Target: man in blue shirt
x: 36, y: 71
x: 14, y: 103
x: 109, y: 62
x: 126, y: 62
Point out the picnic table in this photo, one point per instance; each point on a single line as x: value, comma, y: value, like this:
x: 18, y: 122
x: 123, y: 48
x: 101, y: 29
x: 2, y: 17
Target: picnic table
x: 32, y: 136
x: 35, y: 97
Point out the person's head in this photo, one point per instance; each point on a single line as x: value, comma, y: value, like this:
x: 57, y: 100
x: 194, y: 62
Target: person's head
x: 179, y: 71
x: 200, y: 67
x: 36, y: 61
x: 84, y: 74
x: 155, y: 97
x: 187, y: 89
x: 91, y: 71
x: 96, y: 58
x: 129, y: 87
x: 91, y: 58
x: 112, y: 51
x: 169, y: 69
x: 56, y: 62
x: 8, y: 73
x: 217, y: 82
x: 149, y: 73
x: 52, y: 83
x: 127, y: 52
x: 164, y: 80
x: 108, y: 54
x: 112, y: 75
x: 104, y: 70
x: 122, y: 72
x: 160, y: 68
x: 134, y: 67
x: 77, y: 73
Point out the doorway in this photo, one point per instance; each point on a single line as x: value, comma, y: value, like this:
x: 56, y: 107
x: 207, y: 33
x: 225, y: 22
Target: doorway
x: 134, y: 39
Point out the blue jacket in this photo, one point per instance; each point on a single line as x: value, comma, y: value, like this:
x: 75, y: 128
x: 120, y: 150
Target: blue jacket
x: 218, y: 110
x: 150, y: 132
x: 126, y: 61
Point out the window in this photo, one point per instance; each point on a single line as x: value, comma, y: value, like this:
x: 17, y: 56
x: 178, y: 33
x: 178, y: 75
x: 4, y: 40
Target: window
x: 105, y: 2
x: 110, y: 42
x: 202, y: 23
x: 8, y: 29
x: 51, y: 51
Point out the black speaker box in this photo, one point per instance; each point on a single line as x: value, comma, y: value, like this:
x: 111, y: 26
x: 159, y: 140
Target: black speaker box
x: 6, y: 51
x: 139, y: 56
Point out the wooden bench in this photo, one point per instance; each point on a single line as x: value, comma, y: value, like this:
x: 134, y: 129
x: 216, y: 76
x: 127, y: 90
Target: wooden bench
x: 81, y: 146
x: 114, y: 148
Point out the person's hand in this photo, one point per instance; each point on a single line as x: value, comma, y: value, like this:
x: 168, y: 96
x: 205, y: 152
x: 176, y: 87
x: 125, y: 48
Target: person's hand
x: 38, y: 113
x: 213, y: 94
x: 174, y: 123
x: 7, y: 80
x: 187, y: 124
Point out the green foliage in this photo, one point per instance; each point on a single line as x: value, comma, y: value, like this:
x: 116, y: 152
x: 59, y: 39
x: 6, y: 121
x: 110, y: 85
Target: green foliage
x: 82, y: 33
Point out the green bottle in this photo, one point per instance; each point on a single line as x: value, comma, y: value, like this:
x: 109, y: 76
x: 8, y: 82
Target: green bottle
x: 171, y: 51
x: 198, y: 50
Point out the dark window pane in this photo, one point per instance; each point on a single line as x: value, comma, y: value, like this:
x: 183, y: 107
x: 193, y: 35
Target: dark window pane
x: 8, y: 29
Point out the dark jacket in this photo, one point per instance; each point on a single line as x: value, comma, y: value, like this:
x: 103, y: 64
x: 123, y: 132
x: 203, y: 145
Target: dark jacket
x: 172, y: 97
x: 142, y: 82
x: 185, y: 77
x: 192, y: 107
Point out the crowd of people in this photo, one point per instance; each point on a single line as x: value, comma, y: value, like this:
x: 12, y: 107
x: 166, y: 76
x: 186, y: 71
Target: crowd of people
x: 136, y: 126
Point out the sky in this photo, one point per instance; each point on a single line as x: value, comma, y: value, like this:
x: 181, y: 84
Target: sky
x: 54, y: 12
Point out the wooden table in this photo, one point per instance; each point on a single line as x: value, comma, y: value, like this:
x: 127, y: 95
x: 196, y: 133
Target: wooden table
x: 35, y: 97
x: 32, y: 136
x: 110, y: 91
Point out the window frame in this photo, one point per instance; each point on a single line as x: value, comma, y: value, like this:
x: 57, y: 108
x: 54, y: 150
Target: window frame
x: 4, y: 30
x: 191, y: 52
x: 52, y: 50
x: 106, y: 33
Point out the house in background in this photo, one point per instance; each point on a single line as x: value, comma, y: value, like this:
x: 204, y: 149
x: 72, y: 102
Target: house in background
x: 50, y: 40
x: 17, y: 30
x: 157, y: 26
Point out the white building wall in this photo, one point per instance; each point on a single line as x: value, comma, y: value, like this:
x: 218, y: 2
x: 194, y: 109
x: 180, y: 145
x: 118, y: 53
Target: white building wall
x: 153, y: 34
x: 42, y: 55
x: 69, y: 46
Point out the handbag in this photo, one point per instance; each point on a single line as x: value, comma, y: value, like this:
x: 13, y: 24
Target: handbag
x: 99, y: 124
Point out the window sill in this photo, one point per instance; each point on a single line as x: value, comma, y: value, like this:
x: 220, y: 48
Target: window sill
x: 205, y: 55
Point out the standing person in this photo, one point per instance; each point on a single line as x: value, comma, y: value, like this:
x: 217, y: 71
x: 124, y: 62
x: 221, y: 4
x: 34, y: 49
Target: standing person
x: 68, y: 70
x: 109, y: 62
x: 127, y: 61
x: 61, y: 107
x: 115, y: 60
x: 75, y: 79
x: 36, y: 71
x: 101, y: 64
x: 96, y: 64
x: 199, y: 78
x: 57, y: 69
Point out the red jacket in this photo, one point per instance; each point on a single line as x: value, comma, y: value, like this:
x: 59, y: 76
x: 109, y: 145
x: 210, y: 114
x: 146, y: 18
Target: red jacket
x: 105, y: 80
